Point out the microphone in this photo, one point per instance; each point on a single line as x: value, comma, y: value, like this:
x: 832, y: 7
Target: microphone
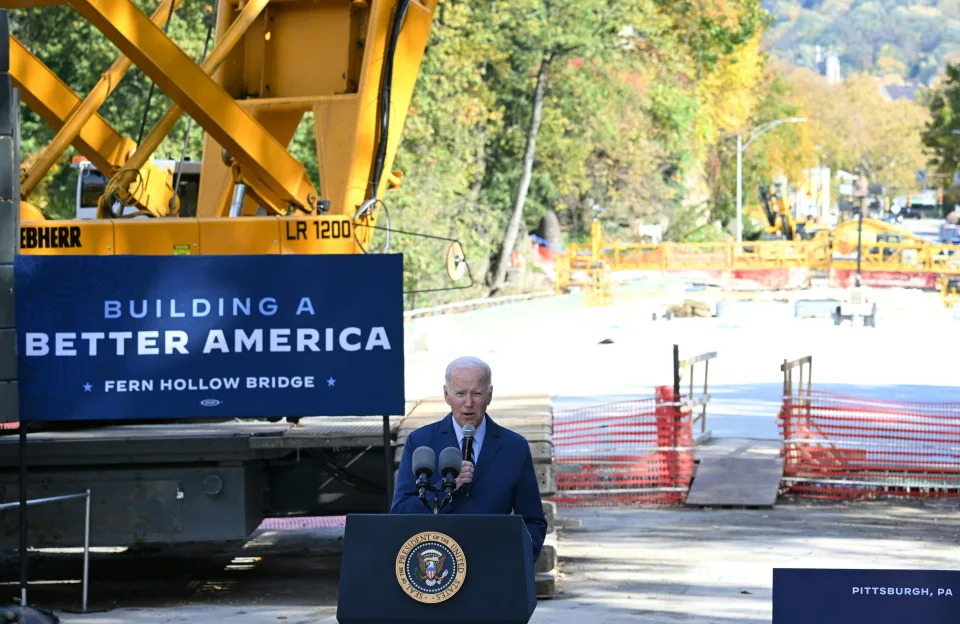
x: 424, y: 459
x: 468, y: 432
x: 450, y: 461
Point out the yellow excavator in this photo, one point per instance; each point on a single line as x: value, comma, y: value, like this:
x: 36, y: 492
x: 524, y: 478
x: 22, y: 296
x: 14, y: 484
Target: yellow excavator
x: 780, y: 222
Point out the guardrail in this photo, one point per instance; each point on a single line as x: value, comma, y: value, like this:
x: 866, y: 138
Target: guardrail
x: 474, y: 304
x: 691, y: 403
x: 86, y: 537
x: 788, y: 368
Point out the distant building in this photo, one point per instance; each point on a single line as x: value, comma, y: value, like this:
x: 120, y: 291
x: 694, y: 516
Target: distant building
x: 832, y: 69
x: 902, y: 92
x: 827, y: 65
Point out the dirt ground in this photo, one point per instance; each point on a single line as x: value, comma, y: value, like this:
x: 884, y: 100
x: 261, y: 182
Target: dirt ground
x: 715, y: 566
x: 621, y: 565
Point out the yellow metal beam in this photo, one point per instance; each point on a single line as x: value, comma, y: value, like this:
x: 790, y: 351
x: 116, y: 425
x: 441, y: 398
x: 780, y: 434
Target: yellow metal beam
x: 79, y: 116
x: 279, y: 74
x: 152, y: 141
x: 140, y: 158
x: 189, y: 236
x: 108, y: 150
x: 53, y: 100
x: 346, y: 127
x: 263, y: 159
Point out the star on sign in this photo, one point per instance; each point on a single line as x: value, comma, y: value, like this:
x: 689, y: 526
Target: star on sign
x: 87, y: 387
x: 331, y: 382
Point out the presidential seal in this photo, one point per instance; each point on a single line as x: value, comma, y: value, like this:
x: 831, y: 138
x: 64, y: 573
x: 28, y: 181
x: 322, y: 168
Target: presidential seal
x: 431, y: 567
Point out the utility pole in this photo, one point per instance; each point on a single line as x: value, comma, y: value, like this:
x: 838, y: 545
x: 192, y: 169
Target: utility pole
x: 739, y: 190
x: 859, y: 281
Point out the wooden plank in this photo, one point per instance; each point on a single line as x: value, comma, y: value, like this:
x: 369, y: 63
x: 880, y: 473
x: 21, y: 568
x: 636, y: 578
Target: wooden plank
x: 736, y: 482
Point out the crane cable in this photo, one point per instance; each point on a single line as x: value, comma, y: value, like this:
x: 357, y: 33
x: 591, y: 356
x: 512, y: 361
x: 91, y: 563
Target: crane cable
x: 153, y: 85
x: 186, y: 135
x: 112, y: 190
x: 383, y: 127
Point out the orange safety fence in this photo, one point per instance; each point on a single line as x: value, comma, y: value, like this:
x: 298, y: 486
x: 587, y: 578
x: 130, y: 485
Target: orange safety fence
x: 907, y: 257
x: 626, y: 453
x: 845, y: 447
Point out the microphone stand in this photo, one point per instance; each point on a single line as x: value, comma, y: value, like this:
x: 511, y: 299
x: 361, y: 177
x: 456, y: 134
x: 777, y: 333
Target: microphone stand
x: 424, y: 487
x: 448, y: 487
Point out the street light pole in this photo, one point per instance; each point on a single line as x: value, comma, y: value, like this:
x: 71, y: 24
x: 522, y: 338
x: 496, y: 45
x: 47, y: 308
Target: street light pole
x: 739, y: 190
x: 741, y: 148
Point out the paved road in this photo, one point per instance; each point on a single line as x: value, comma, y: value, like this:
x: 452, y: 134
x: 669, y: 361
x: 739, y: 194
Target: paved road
x: 641, y: 566
x: 583, y: 356
x: 715, y: 566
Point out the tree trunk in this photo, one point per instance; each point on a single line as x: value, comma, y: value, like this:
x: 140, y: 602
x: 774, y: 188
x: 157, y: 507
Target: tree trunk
x: 510, y: 235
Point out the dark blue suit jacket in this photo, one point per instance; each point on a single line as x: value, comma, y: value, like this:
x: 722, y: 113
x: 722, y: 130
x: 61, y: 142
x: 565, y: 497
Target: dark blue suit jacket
x: 503, y: 480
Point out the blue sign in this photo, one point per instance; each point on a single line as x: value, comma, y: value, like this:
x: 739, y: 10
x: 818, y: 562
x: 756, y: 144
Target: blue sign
x: 801, y: 596
x: 164, y: 337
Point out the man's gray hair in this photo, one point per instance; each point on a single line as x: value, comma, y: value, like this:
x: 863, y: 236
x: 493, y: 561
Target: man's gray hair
x: 467, y: 362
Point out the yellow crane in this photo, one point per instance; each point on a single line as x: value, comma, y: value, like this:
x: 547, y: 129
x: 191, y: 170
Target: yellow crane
x: 249, y: 95
x: 353, y: 65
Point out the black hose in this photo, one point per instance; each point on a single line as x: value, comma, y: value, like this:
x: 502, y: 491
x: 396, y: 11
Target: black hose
x: 186, y: 135
x: 146, y: 108
x: 386, y: 85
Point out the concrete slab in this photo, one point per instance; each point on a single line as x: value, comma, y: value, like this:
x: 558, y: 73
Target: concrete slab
x: 736, y: 482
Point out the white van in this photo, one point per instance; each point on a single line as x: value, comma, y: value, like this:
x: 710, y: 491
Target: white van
x: 91, y: 183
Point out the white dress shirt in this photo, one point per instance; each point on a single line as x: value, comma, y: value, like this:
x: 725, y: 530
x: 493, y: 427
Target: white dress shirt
x: 477, y: 436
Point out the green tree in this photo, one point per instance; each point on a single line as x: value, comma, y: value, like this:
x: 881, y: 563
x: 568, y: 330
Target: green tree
x: 857, y: 127
x: 78, y: 54
x: 940, y: 133
x: 544, y: 35
x: 718, y: 47
x: 453, y: 119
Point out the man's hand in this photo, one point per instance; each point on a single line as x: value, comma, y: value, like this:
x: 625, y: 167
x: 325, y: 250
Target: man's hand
x: 466, y: 474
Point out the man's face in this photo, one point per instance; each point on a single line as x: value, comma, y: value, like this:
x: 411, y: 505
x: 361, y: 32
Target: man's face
x: 469, y: 395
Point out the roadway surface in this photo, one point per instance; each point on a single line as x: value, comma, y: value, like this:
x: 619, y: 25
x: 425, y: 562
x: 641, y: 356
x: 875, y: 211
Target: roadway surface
x: 644, y: 565
x: 650, y: 566
x: 583, y: 356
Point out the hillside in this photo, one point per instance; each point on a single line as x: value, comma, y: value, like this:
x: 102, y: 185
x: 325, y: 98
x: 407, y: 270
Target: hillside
x: 901, y: 41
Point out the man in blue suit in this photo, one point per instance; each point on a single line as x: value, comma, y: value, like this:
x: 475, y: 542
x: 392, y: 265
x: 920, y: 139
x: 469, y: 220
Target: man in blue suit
x: 500, y: 480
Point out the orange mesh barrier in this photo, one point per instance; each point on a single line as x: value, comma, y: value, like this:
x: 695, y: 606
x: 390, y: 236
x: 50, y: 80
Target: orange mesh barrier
x: 626, y: 453
x: 843, y: 447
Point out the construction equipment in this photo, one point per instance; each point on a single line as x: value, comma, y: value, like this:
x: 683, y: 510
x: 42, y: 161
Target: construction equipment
x: 597, y: 292
x: 92, y: 184
x: 950, y: 290
x: 856, y: 306
x: 252, y: 107
x: 181, y: 481
x: 780, y: 222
